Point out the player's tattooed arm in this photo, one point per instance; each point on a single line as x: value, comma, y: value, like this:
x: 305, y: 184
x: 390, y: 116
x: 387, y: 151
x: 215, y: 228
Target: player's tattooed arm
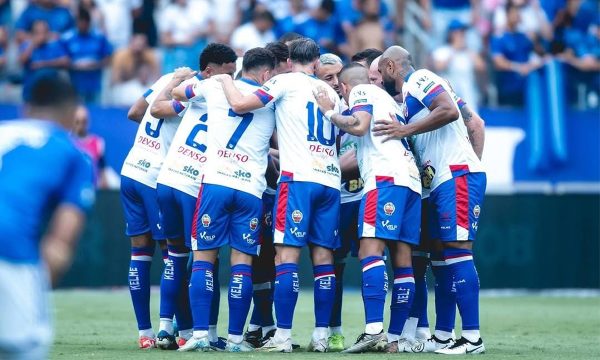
x: 475, y: 128
x: 240, y: 103
x: 355, y: 124
x: 164, y: 106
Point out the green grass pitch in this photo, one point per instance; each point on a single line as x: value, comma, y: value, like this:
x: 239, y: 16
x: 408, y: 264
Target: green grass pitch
x: 100, y: 324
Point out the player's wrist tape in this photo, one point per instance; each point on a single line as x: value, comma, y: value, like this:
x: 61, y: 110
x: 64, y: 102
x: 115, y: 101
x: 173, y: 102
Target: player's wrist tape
x: 328, y: 114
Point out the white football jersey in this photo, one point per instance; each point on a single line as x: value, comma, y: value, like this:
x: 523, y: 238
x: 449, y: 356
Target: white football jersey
x: 152, y: 140
x: 382, y: 163
x: 307, y: 141
x: 351, y: 190
x: 443, y: 153
x: 238, y: 144
x: 184, y: 164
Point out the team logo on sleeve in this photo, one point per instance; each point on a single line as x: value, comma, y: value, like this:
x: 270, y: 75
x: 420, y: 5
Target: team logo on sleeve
x: 297, y: 216
x: 427, y: 176
x: 206, y: 220
x: 476, y: 211
x: 253, y: 224
x: 389, y: 208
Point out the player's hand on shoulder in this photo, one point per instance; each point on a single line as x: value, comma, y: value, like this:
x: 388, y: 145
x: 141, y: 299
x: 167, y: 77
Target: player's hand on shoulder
x: 390, y: 129
x: 184, y: 73
x: 323, y: 100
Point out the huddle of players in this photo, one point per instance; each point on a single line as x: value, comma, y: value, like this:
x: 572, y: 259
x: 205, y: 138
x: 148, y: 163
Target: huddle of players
x: 201, y: 175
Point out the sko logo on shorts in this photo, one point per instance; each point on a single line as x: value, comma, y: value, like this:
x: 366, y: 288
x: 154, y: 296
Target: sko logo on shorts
x: 297, y: 216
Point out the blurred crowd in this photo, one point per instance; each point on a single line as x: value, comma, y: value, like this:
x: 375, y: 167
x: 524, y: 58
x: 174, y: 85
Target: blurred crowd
x: 114, y: 49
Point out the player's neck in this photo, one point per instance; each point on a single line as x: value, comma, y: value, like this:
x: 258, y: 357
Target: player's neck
x: 308, y: 69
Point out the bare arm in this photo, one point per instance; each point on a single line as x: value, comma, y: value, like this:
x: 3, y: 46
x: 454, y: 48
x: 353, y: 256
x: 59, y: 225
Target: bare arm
x: 138, y: 109
x: 475, y: 128
x: 240, y: 103
x: 163, y: 106
x: 59, y: 241
x: 356, y: 124
x: 349, y: 165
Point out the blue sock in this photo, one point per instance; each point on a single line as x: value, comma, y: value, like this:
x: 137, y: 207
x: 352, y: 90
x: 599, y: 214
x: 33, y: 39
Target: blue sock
x: 262, y: 314
x: 240, y: 297
x: 287, y: 286
x: 445, y: 295
x: 139, y: 284
x: 336, y: 312
x: 419, y: 306
x: 201, y: 291
x: 402, y: 298
x: 324, y: 294
x: 172, y: 281
x: 216, y: 299
x: 466, y: 282
x: 374, y: 288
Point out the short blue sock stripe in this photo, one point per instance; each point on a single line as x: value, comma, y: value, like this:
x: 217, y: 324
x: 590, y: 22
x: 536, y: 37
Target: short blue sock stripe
x: 321, y: 271
x: 371, y: 261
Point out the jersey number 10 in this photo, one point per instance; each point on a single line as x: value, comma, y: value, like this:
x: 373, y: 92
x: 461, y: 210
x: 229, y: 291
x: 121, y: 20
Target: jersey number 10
x: 312, y: 114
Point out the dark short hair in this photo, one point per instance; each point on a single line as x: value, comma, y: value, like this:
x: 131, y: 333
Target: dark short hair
x: 49, y: 88
x: 290, y: 36
x: 368, y: 54
x: 263, y: 15
x: 257, y: 58
x: 216, y: 54
x: 279, y: 49
x: 84, y: 15
x: 328, y: 5
x: 304, y: 51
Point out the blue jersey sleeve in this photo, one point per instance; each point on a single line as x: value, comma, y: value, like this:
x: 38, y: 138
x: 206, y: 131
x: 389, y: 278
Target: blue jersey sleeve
x: 78, y: 187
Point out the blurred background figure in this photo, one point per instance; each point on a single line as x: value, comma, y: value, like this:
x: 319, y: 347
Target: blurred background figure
x: 91, y: 144
x: 257, y: 33
x: 459, y: 64
x: 324, y: 28
x: 41, y: 51
x: 182, y: 37
x: 90, y: 53
x: 439, y: 13
x: 226, y: 16
x: 58, y: 19
x: 134, y: 68
x: 118, y: 20
x: 297, y: 13
x: 372, y: 30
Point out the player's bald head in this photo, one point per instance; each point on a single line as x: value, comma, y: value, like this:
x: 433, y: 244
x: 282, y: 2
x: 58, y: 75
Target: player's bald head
x: 397, y: 54
x: 374, y: 75
x: 354, y: 74
x: 394, y: 65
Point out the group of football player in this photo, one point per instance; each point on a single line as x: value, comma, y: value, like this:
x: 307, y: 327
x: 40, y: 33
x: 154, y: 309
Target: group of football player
x: 372, y: 158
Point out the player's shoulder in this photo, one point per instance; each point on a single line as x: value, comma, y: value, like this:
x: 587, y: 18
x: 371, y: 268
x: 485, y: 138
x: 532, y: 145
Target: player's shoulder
x: 423, y: 79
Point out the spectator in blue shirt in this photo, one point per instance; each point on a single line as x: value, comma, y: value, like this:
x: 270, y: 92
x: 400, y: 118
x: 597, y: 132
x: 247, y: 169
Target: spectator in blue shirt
x: 514, y: 59
x: 89, y: 52
x: 41, y: 52
x: 441, y: 12
x: 58, y: 18
x: 324, y: 28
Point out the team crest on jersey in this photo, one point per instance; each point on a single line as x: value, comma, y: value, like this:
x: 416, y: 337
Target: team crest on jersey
x: 476, y: 211
x: 427, y: 176
x: 297, y: 216
x: 389, y: 208
x: 205, y: 220
x: 253, y: 224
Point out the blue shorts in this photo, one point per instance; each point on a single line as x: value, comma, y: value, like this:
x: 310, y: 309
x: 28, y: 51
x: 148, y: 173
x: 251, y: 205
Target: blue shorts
x: 306, y: 212
x: 263, y: 268
x: 348, y: 227
x: 176, y: 213
x: 455, y: 206
x: 140, y: 204
x: 226, y: 216
x: 391, y: 213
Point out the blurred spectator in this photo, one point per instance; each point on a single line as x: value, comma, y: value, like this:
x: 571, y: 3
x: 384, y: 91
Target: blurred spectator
x: 534, y: 22
x: 97, y: 22
x: 366, y: 57
x: 58, y: 18
x: 133, y: 69
x: 297, y: 15
x: 458, y: 64
x: 90, y: 144
x: 5, y: 12
x: 257, y: 33
x: 3, y: 45
x: 183, y: 36
x: 118, y: 15
x: 372, y: 30
x: 287, y: 38
x: 41, y: 51
x: 143, y: 21
x: 226, y: 18
x: 90, y: 53
x: 441, y: 12
x: 324, y: 29
x: 513, y: 59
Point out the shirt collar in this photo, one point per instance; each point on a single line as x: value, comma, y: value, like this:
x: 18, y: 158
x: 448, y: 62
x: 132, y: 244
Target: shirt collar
x: 249, y: 81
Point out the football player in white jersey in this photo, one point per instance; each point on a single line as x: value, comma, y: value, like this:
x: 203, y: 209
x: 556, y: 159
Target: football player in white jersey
x: 230, y: 199
x: 453, y: 181
x: 308, y: 194
x: 390, y: 209
x: 138, y: 196
x: 178, y: 185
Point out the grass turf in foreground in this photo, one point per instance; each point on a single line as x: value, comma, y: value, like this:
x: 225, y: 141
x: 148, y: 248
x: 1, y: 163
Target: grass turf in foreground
x: 101, y: 325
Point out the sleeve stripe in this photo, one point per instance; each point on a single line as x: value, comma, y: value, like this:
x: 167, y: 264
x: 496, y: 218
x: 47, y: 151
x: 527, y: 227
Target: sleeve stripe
x: 177, y: 106
x: 147, y: 93
x: 189, y: 91
x: 366, y: 108
x: 428, y: 99
x: 461, y: 103
x: 263, y: 96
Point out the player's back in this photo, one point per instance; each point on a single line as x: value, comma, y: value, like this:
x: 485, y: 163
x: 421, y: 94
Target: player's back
x: 40, y: 166
x: 152, y: 141
x: 238, y: 144
x: 392, y: 159
x: 307, y: 141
